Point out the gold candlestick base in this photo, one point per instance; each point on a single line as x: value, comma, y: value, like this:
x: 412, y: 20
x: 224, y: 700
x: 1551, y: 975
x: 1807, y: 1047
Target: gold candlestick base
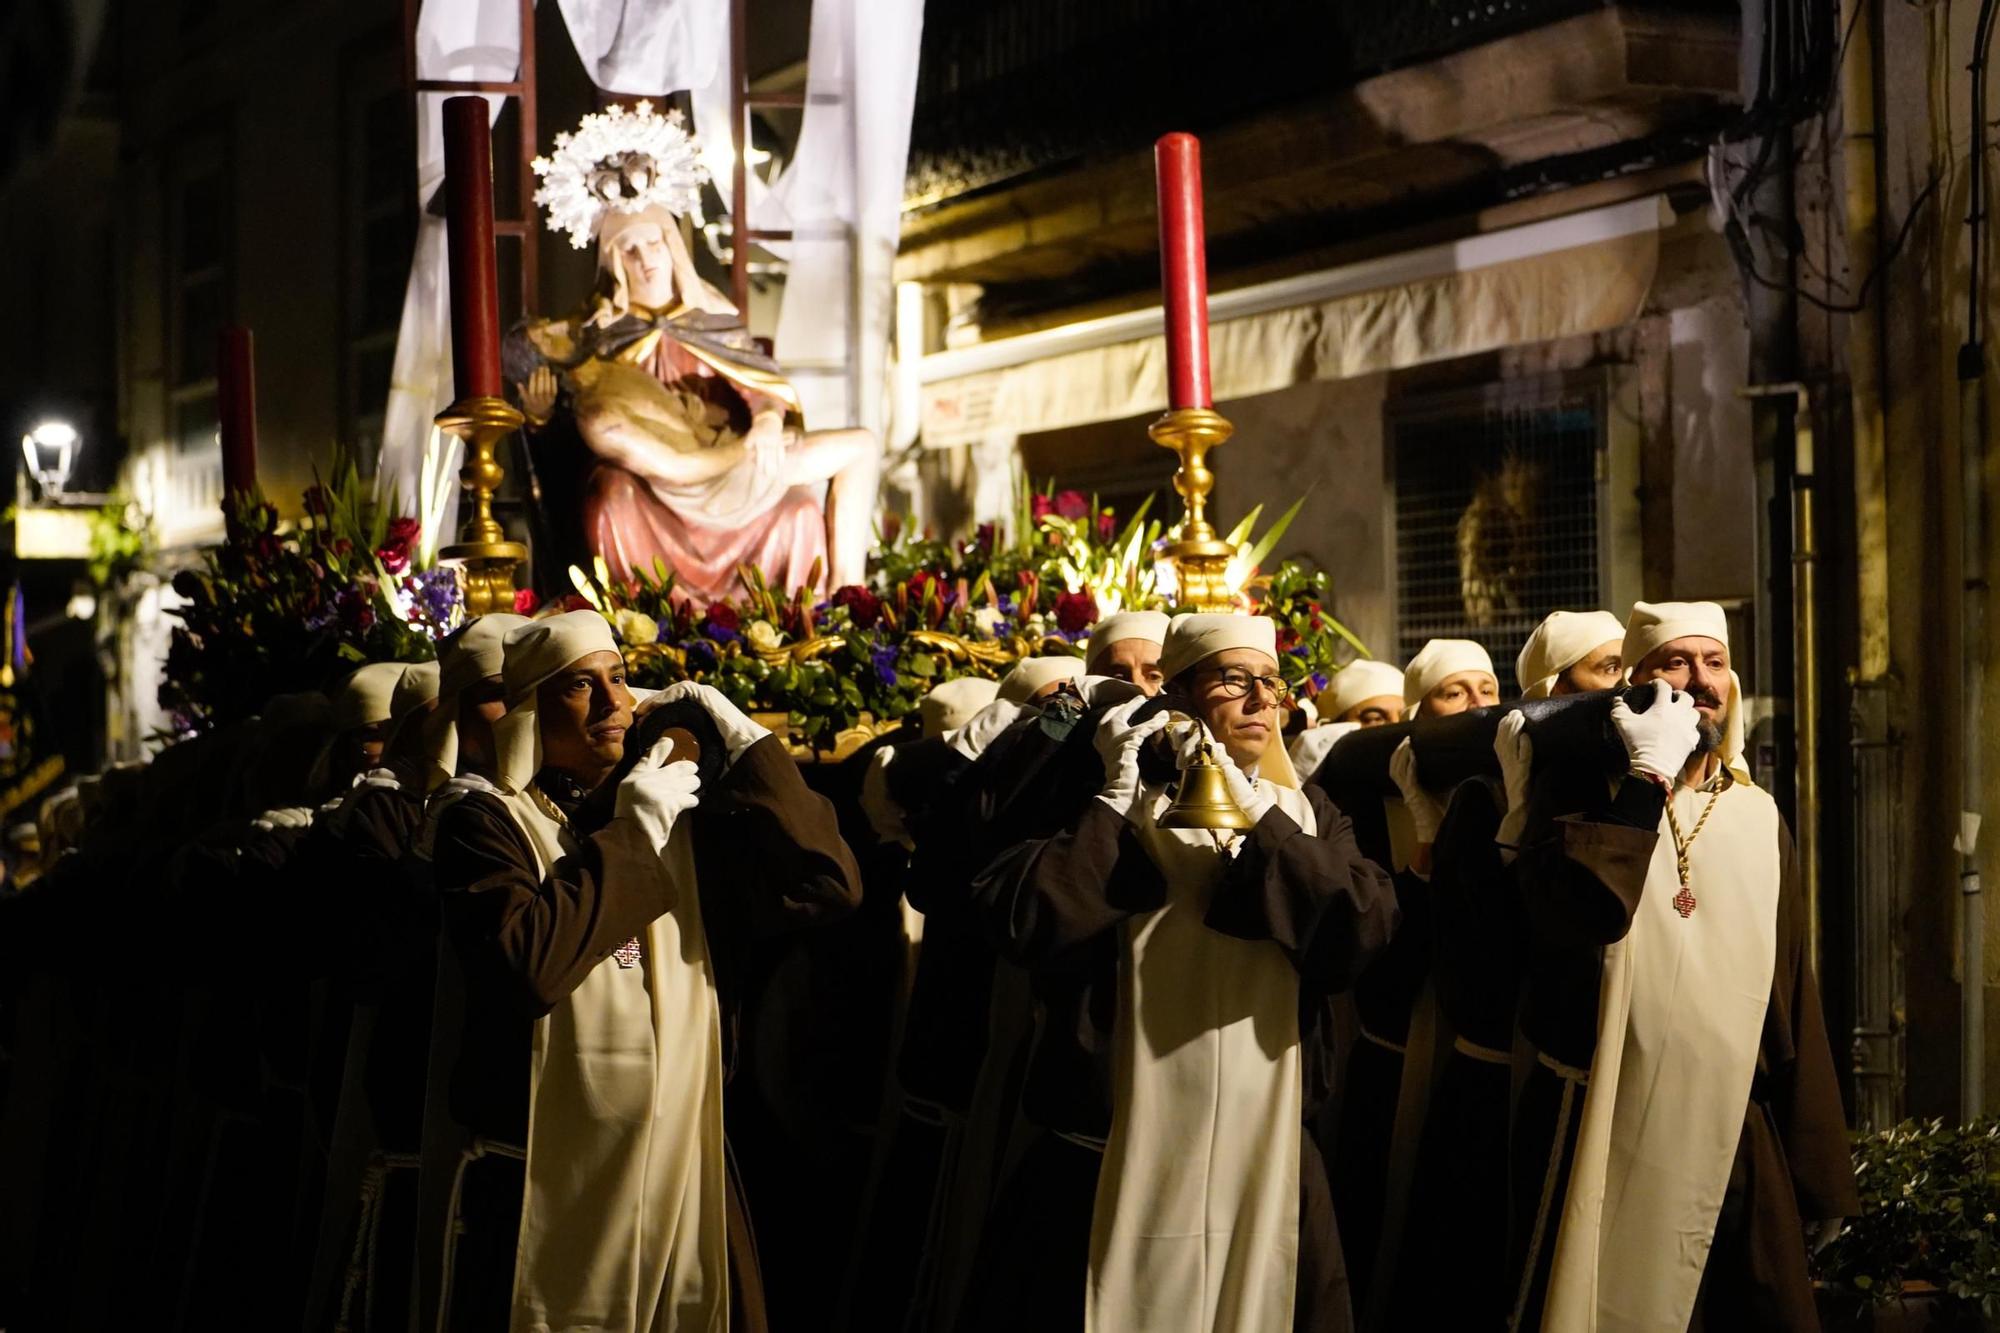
x: 1201, y: 559
x: 485, y: 559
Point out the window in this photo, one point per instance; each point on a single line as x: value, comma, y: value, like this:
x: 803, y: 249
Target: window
x: 378, y: 212
x: 1499, y: 499
x: 199, y: 248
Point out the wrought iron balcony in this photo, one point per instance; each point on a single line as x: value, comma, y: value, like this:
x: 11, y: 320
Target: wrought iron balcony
x: 1012, y: 88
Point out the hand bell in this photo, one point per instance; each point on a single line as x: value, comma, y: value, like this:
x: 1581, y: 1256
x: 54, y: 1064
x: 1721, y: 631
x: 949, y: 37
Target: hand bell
x: 1203, y: 801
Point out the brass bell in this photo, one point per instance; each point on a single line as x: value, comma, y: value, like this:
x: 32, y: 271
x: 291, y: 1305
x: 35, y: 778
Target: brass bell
x: 1203, y: 801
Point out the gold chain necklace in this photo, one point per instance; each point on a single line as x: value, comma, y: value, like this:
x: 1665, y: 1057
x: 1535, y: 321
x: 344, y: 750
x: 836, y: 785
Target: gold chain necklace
x: 547, y: 805
x: 627, y: 954
x: 1684, y: 847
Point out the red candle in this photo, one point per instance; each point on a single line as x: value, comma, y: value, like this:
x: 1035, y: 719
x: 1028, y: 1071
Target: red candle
x: 236, y: 409
x: 1183, y: 269
x: 475, y: 292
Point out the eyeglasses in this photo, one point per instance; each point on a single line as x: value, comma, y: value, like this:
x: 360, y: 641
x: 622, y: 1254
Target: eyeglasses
x: 1236, y: 684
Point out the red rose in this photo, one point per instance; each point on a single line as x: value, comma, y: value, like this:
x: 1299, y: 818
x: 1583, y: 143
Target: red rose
x: 1076, y: 612
x: 1107, y: 525
x: 864, y: 608
x: 525, y: 601
x: 721, y: 615
x: 1288, y: 638
x: 395, y: 559
x: 1040, y: 506
x: 1072, y: 504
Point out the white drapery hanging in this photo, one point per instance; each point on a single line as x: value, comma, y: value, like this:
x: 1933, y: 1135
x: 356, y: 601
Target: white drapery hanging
x: 472, y: 40
x: 645, y: 46
x: 842, y: 197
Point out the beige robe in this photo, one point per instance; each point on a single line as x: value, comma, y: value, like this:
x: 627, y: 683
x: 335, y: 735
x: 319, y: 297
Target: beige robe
x: 623, y: 1219
x: 1681, y: 1019
x: 1196, y: 1224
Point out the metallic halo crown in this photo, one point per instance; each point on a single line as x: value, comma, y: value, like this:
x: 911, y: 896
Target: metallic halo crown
x: 621, y: 161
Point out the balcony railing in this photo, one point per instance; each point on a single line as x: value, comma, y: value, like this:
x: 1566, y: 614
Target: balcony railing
x: 1009, y: 88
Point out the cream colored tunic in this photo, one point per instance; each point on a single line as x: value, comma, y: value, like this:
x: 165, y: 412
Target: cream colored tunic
x: 1680, y: 1021
x: 623, y: 1222
x: 1196, y: 1225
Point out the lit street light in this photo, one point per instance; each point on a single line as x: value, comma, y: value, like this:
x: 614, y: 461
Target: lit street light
x: 50, y: 448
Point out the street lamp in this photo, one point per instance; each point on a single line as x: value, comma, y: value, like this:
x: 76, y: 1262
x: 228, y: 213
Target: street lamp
x: 50, y: 448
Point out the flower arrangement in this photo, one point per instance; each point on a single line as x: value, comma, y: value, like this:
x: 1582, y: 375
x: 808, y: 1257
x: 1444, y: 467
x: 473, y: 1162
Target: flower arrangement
x: 1930, y: 1217
x: 271, y: 611
x: 935, y: 610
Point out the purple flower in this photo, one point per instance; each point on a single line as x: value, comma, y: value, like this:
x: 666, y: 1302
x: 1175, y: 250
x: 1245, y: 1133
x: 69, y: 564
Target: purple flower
x: 884, y: 657
x: 437, y: 595
x: 720, y: 633
x: 1319, y: 681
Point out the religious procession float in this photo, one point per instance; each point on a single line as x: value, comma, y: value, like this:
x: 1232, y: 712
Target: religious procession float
x: 684, y: 499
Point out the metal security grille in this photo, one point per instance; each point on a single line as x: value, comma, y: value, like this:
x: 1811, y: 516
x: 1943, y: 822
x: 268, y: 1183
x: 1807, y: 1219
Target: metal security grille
x: 1498, y: 503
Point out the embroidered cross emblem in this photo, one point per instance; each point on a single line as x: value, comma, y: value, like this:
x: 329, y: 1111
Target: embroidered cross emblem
x: 1684, y: 902
x: 627, y: 953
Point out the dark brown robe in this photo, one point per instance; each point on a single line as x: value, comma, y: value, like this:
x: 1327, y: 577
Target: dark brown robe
x: 1458, y: 1199
x: 768, y: 858
x: 1581, y: 876
x: 1058, y: 905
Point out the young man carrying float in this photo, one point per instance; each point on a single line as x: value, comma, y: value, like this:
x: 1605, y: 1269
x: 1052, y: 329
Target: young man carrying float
x: 597, y: 955
x: 1211, y: 958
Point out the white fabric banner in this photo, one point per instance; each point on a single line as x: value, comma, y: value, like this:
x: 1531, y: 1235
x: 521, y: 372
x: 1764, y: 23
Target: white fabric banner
x: 647, y: 48
x: 843, y: 199
x: 456, y: 39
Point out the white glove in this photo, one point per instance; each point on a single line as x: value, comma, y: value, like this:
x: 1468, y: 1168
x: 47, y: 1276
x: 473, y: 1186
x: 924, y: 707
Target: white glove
x: 1118, y: 742
x: 971, y: 740
x: 1425, y: 813
x: 285, y: 816
x: 884, y: 815
x: 1106, y: 690
x: 739, y: 733
x: 656, y: 793
x: 1517, y: 756
x: 1660, y: 739
x: 1250, y: 796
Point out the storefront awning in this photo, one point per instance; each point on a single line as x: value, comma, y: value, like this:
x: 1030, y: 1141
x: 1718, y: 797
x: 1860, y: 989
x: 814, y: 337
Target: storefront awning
x: 1584, y: 273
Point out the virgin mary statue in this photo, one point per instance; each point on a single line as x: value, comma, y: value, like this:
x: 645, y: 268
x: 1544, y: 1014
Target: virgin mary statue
x: 694, y: 451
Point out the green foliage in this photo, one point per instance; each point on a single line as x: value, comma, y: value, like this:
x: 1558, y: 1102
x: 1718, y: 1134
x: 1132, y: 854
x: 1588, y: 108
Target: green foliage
x: 936, y: 610
x: 271, y: 612
x: 1930, y: 1212
x: 121, y: 542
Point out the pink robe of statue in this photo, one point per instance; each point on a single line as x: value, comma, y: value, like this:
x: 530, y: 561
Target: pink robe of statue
x: 705, y: 532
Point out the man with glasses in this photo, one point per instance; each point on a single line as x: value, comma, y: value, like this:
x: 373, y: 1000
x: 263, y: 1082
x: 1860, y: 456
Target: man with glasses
x: 1198, y: 968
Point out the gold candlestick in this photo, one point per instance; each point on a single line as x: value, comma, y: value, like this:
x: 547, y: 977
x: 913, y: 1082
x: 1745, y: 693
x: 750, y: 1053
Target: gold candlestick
x: 1201, y: 559
x: 485, y: 559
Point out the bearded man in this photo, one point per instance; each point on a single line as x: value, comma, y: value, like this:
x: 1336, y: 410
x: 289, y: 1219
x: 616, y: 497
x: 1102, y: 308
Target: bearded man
x: 1708, y: 1145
